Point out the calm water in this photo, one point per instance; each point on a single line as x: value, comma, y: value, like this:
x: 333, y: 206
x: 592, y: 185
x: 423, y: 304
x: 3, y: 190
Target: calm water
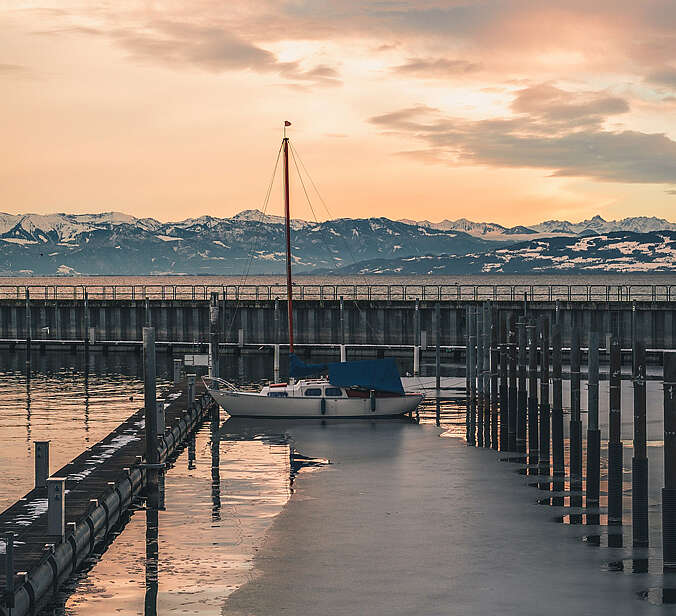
x: 225, y: 490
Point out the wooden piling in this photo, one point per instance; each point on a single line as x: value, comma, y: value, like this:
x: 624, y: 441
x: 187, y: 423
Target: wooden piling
x: 41, y: 463
x: 503, y: 386
x: 639, y: 462
x: 150, y: 396
x: 471, y: 345
x: 437, y: 348
x: 558, y: 459
x: 669, y: 490
x: 544, y: 411
x: 487, y: 373
x: 593, y: 433
x: 479, y: 378
x: 214, y: 337
x: 522, y: 394
x: 495, y: 355
x: 533, y: 431
x: 511, y: 387
x: 615, y: 444
x: 575, y: 427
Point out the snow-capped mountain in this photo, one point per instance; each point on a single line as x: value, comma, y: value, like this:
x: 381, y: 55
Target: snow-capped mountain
x: 248, y: 242
x: 619, y: 251
x: 116, y: 243
x: 489, y: 230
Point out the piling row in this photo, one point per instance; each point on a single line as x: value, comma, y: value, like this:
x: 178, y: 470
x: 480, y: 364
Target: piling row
x: 523, y: 421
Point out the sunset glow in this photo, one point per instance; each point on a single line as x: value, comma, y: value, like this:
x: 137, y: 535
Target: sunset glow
x: 513, y: 112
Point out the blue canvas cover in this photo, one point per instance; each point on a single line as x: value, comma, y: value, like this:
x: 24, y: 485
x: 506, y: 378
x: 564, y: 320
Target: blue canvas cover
x: 377, y: 374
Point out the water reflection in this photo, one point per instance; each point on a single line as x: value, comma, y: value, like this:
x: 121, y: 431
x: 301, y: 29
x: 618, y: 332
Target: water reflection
x: 152, y: 548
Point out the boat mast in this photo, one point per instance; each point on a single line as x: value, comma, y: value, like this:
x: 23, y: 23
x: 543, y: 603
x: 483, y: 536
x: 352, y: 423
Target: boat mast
x: 289, y: 288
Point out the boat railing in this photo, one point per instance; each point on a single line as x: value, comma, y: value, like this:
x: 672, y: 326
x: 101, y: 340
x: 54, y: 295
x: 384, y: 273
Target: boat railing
x: 368, y: 292
x: 209, y: 382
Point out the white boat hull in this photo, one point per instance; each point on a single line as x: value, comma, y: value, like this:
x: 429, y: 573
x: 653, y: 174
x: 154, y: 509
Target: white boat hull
x: 245, y: 404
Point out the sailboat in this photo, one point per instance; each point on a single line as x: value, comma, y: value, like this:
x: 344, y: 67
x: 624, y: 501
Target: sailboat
x: 350, y: 389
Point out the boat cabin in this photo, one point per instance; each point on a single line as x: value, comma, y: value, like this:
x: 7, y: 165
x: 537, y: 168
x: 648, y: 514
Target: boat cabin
x: 304, y: 388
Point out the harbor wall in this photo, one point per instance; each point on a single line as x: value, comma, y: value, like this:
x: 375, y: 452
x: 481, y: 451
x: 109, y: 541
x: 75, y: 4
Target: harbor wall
x: 318, y: 322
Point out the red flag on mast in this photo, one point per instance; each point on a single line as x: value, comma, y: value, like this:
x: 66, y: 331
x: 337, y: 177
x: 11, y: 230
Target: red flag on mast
x: 287, y: 123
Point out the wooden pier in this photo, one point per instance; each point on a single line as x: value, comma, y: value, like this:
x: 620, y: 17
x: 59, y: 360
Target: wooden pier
x: 56, y: 526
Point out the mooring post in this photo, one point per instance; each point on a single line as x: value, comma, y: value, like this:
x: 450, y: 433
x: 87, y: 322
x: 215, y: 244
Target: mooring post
x: 575, y: 426
x: 471, y: 346
x: 593, y: 433
x: 504, y: 411
x: 639, y: 462
x: 615, y: 443
x: 494, y: 381
x: 416, y: 341
x: 669, y: 490
x: 275, y: 362
x: 276, y: 322
x: 487, y: 373
x: 147, y: 312
x: 85, y: 319
x: 214, y: 337
x: 468, y: 388
x: 544, y: 451
x: 178, y: 365
x: 56, y: 506
x: 41, y: 463
x: 558, y: 460
x: 29, y: 326
x: 150, y: 396
x: 533, y: 432
x: 8, y: 538
x: 479, y: 377
x: 511, y: 387
x: 437, y: 351
x: 521, y: 395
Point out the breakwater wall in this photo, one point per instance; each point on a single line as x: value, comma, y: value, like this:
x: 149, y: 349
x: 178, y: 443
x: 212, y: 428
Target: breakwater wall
x: 317, y: 322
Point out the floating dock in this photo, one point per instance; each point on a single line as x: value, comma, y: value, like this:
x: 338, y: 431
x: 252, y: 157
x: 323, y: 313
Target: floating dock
x: 52, y: 530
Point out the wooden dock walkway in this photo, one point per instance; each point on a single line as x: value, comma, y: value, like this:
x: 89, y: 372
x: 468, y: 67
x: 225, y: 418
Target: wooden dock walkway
x: 100, y: 485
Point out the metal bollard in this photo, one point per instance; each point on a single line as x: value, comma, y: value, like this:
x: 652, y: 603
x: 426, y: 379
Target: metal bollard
x: 56, y: 506
x: 669, y: 490
x: 41, y: 463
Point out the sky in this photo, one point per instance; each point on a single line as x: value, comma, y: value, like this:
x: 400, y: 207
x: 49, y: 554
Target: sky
x: 507, y: 111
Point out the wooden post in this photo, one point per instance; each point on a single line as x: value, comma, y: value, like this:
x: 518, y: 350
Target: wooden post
x: 575, y: 426
x: 558, y: 460
x: 437, y: 353
x: 669, y: 490
x: 29, y: 326
x: 178, y: 365
x: 593, y: 433
x: 479, y: 377
x: 521, y: 395
x: 543, y: 453
x: 615, y: 443
x: 504, y: 404
x: 511, y: 387
x: 639, y: 463
x: 468, y: 388
x: 471, y: 341
x: 533, y: 426
x: 150, y: 396
x: 487, y: 373
x: 494, y: 382
x: 214, y: 337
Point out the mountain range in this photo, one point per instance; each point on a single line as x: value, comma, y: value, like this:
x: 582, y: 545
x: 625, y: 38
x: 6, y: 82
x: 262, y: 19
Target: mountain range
x: 115, y: 243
